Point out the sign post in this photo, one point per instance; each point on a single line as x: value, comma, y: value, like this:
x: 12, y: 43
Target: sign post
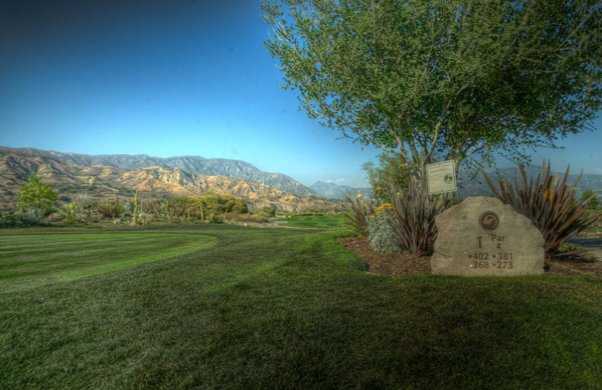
x: 441, y: 177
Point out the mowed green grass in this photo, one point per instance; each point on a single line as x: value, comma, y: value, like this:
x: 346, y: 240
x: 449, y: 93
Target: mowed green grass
x: 324, y: 221
x: 291, y: 308
x: 30, y: 260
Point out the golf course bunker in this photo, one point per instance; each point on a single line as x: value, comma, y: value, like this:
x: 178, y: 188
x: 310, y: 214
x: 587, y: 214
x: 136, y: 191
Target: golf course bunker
x: 31, y: 260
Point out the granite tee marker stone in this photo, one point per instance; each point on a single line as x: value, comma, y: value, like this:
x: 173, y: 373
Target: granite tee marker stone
x: 484, y: 237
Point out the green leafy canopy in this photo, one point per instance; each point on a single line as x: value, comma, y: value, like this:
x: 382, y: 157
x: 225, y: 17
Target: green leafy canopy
x: 37, y: 197
x: 445, y: 78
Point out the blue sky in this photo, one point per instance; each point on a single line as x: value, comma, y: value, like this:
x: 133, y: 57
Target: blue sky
x: 193, y: 79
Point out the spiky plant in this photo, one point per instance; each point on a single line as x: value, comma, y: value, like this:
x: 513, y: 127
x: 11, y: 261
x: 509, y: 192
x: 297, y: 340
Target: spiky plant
x: 549, y: 202
x: 414, y: 212
x: 357, y: 214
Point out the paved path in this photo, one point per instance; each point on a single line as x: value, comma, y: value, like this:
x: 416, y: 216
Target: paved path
x: 592, y: 245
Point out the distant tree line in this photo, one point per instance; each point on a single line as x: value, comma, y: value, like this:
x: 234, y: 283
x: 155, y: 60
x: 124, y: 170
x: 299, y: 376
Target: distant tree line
x: 38, y: 204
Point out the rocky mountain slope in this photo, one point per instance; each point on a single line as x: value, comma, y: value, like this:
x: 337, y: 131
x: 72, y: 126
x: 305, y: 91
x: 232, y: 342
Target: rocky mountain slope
x: 338, y: 191
x: 192, y: 164
x: 122, y: 175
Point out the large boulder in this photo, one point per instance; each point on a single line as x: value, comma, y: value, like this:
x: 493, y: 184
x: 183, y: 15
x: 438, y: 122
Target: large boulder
x: 483, y: 236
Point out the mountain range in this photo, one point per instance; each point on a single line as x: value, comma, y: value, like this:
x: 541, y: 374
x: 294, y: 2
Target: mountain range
x: 476, y: 185
x: 122, y: 175
x: 338, y: 191
x: 192, y: 164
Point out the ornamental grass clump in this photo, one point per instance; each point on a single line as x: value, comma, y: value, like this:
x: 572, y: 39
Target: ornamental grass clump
x: 413, y: 217
x: 357, y: 214
x: 548, y: 201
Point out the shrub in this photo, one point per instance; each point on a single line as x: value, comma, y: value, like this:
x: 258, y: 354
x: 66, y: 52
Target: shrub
x: 207, y: 207
x: 358, y: 211
x: 183, y: 209
x: 69, y: 213
x: 7, y: 219
x: 87, y: 209
x: 267, y: 211
x: 381, y: 236
x: 154, y: 206
x: 414, y: 212
x: 20, y: 219
x: 110, y: 208
x: 214, y: 203
x: 36, y: 197
x: 216, y: 218
x: 236, y: 205
x: 144, y: 218
x: 246, y: 217
x: 549, y: 202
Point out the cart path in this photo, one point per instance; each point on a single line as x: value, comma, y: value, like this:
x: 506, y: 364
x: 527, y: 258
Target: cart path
x: 592, y: 245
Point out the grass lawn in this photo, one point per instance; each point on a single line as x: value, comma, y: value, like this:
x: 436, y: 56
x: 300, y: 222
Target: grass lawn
x: 324, y: 221
x: 276, y: 308
x: 30, y: 260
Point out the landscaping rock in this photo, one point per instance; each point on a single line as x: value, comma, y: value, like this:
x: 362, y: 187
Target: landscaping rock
x: 482, y: 236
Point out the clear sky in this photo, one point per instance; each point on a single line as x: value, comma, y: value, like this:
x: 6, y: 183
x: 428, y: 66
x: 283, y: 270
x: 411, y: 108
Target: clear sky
x: 171, y: 78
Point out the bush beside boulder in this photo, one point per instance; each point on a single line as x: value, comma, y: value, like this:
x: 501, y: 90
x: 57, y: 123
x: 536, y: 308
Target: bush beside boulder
x: 381, y: 236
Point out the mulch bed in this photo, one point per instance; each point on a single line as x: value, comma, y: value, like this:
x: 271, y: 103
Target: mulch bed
x: 394, y: 264
x: 574, y: 267
x: 400, y: 264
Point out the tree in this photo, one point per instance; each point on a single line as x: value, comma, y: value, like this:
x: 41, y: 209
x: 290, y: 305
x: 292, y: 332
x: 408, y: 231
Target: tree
x: 391, y: 172
x: 446, y: 78
x: 36, y: 197
x: 590, y: 198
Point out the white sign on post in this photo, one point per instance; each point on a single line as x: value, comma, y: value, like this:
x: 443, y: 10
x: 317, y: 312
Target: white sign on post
x: 441, y: 177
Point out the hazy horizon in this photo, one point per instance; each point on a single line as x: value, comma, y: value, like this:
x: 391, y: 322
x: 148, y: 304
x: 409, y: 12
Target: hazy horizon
x: 171, y: 80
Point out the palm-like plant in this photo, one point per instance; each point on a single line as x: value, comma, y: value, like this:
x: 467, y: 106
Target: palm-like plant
x: 548, y: 201
x: 414, y: 212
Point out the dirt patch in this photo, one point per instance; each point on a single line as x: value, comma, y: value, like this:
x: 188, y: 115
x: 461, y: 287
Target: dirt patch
x: 394, y: 264
x: 398, y: 264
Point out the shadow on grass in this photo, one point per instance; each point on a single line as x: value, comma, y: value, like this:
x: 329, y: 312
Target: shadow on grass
x: 286, y: 309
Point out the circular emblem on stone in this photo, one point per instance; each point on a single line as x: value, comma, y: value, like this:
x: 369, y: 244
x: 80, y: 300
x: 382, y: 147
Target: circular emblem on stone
x: 489, y: 220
